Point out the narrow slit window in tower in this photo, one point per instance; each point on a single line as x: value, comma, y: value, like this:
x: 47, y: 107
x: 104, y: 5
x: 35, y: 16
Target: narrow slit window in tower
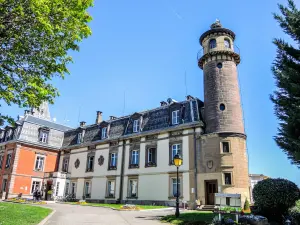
x: 212, y: 43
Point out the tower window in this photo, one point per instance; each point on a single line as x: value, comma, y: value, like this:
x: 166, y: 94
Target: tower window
x: 222, y: 107
x: 219, y: 65
x: 227, y: 43
x: 225, y: 147
x: 212, y: 43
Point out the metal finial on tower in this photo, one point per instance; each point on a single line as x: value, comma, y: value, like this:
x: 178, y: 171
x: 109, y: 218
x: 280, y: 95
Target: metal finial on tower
x: 216, y: 24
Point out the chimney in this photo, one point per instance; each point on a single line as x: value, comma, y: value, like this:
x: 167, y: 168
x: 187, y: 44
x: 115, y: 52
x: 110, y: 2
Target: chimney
x: 112, y: 117
x: 163, y: 103
x: 26, y: 112
x: 189, y: 97
x: 82, y: 123
x: 99, y: 117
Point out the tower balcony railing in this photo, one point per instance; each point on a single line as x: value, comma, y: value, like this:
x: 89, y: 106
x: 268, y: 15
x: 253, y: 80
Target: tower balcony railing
x: 219, y: 46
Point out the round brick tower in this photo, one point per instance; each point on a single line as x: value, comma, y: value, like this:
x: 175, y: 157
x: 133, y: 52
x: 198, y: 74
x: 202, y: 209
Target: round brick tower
x: 223, y: 161
x: 219, y: 60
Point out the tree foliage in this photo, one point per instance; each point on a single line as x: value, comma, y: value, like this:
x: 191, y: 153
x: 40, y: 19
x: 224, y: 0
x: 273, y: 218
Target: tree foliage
x: 286, y: 70
x: 35, y: 37
x: 274, y: 197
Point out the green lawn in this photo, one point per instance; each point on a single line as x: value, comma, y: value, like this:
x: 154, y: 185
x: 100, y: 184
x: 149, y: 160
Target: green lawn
x: 192, y: 218
x: 20, y: 214
x: 118, y: 206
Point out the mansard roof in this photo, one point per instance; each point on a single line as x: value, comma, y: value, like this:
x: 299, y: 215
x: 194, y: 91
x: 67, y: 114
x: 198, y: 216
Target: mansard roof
x: 153, y: 120
x: 46, y: 123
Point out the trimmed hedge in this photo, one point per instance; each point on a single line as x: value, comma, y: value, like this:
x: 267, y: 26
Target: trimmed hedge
x: 273, y: 197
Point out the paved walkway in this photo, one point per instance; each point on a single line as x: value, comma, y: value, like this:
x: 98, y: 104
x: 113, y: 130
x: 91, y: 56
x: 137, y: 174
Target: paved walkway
x: 74, y: 215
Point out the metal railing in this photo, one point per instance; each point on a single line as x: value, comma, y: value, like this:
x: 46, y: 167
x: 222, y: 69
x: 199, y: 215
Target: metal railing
x: 219, y: 46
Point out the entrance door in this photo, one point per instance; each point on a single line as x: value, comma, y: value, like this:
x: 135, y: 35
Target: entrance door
x: 211, y: 189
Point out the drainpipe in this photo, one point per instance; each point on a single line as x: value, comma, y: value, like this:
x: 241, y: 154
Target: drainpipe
x: 122, y: 172
x: 57, y: 161
x: 195, y: 163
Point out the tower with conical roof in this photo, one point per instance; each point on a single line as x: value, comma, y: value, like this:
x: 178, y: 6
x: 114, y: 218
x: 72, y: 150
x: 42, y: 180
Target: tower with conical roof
x: 224, y: 162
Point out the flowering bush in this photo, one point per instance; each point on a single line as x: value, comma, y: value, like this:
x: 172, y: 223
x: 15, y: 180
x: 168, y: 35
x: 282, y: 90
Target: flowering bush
x: 81, y: 202
x: 130, y: 207
x: 253, y: 219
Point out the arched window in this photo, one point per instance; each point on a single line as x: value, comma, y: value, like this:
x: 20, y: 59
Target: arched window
x: 227, y: 43
x: 212, y: 43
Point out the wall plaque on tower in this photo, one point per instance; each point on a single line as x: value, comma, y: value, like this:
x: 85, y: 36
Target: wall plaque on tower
x: 77, y: 163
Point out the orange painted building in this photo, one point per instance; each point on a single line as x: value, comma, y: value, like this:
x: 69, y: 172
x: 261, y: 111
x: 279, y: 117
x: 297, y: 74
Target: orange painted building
x: 28, y: 151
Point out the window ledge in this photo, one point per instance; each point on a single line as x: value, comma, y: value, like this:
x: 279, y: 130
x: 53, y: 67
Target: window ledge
x: 89, y: 171
x: 132, y: 197
x: 151, y: 165
x: 228, y: 185
x: 39, y: 171
x: 112, y: 168
x: 226, y: 153
x: 227, y: 166
x: 172, y: 197
x: 110, y: 197
x: 133, y: 166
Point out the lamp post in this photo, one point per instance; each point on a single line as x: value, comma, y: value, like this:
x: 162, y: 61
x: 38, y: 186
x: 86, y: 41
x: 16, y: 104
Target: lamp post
x: 177, y: 162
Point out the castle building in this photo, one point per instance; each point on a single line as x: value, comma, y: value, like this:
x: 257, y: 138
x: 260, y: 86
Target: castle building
x: 130, y: 159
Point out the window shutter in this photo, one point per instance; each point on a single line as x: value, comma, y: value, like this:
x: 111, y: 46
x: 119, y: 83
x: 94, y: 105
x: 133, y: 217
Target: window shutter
x: 170, y: 154
x: 154, y: 155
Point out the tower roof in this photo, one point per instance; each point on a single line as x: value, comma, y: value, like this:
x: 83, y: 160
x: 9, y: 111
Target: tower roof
x: 216, y: 27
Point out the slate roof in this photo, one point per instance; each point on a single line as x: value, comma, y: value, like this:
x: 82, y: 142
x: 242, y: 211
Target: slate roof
x: 46, y: 123
x: 152, y: 120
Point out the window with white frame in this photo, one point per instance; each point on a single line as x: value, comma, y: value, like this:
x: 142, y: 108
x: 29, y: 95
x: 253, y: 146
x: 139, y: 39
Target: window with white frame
x: 174, y: 187
x: 79, y: 138
x: 111, y: 188
x: 176, y: 149
x: 175, y: 117
x: 225, y: 147
x: 57, y: 188
x: 134, y: 161
x: 67, y: 188
x: 39, y: 163
x: 133, y: 188
x: 227, y: 43
x: 35, y: 185
x: 104, y: 132
x: 113, y: 160
x: 65, y: 166
x: 73, y: 188
x: 43, y: 137
x: 136, y: 125
x: 8, y: 135
x: 8, y: 160
x: 87, y: 189
x: 4, y: 185
x: 90, y: 163
x: 151, y: 157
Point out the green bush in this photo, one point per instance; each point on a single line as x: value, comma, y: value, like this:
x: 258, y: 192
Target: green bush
x: 274, y: 197
x: 246, y: 205
x: 294, y: 213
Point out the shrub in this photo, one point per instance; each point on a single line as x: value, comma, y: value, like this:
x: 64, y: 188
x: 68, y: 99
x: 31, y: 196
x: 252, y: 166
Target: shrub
x: 273, y: 197
x: 246, y: 205
x: 294, y: 213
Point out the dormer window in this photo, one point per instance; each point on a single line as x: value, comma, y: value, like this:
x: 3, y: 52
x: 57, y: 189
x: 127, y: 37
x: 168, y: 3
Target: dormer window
x: 43, y: 136
x: 136, y: 126
x: 8, y: 135
x: 175, y: 117
x: 104, y: 133
x: 212, y: 43
x: 79, y: 138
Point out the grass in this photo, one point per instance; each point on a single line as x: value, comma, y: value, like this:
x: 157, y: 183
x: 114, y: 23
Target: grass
x: 13, y: 214
x: 118, y: 206
x: 192, y: 218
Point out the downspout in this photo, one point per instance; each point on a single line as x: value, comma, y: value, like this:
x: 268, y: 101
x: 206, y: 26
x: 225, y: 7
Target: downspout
x: 57, y: 161
x: 122, y: 172
x: 195, y: 164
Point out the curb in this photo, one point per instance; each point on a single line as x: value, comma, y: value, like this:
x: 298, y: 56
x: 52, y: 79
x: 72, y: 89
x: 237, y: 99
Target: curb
x: 47, y: 218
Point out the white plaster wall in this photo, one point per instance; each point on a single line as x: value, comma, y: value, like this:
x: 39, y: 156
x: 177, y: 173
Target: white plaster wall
x: 61, y: 189
x: 153, y: 187
x: 79, y: 188
x: 98, y: 188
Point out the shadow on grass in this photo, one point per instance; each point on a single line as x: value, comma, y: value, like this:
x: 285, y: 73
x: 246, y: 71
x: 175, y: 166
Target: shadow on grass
x: 192, y: 218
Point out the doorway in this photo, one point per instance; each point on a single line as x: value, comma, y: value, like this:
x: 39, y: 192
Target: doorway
x: 210, y: 190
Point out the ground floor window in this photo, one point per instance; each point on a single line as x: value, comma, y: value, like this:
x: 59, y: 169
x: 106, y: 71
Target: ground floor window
x: 4, y: 185
x: 67, y: 188
x: 73, y: 189
x: 174, y: 187
x: 35, y: 186
x: 111, y: 188
x: 133, y: 188
x: 87, y: 189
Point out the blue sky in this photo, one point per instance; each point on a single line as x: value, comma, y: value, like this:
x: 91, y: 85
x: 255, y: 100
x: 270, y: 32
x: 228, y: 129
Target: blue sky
x: 144, y: 48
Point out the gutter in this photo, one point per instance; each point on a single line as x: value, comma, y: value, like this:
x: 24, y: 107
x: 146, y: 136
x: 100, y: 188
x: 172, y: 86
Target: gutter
x: 122, y: 172
x: 195, y: 164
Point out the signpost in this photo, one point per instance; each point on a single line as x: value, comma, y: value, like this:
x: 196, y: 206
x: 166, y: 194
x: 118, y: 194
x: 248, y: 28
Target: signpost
x: 228, y: 200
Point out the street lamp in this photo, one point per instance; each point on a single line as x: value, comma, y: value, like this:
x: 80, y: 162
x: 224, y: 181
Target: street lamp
x: 177, y: 162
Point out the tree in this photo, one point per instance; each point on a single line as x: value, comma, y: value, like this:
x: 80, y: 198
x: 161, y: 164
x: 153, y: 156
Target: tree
x: 286, y: 70
x: 35, y: 37
x: 273, y: 197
